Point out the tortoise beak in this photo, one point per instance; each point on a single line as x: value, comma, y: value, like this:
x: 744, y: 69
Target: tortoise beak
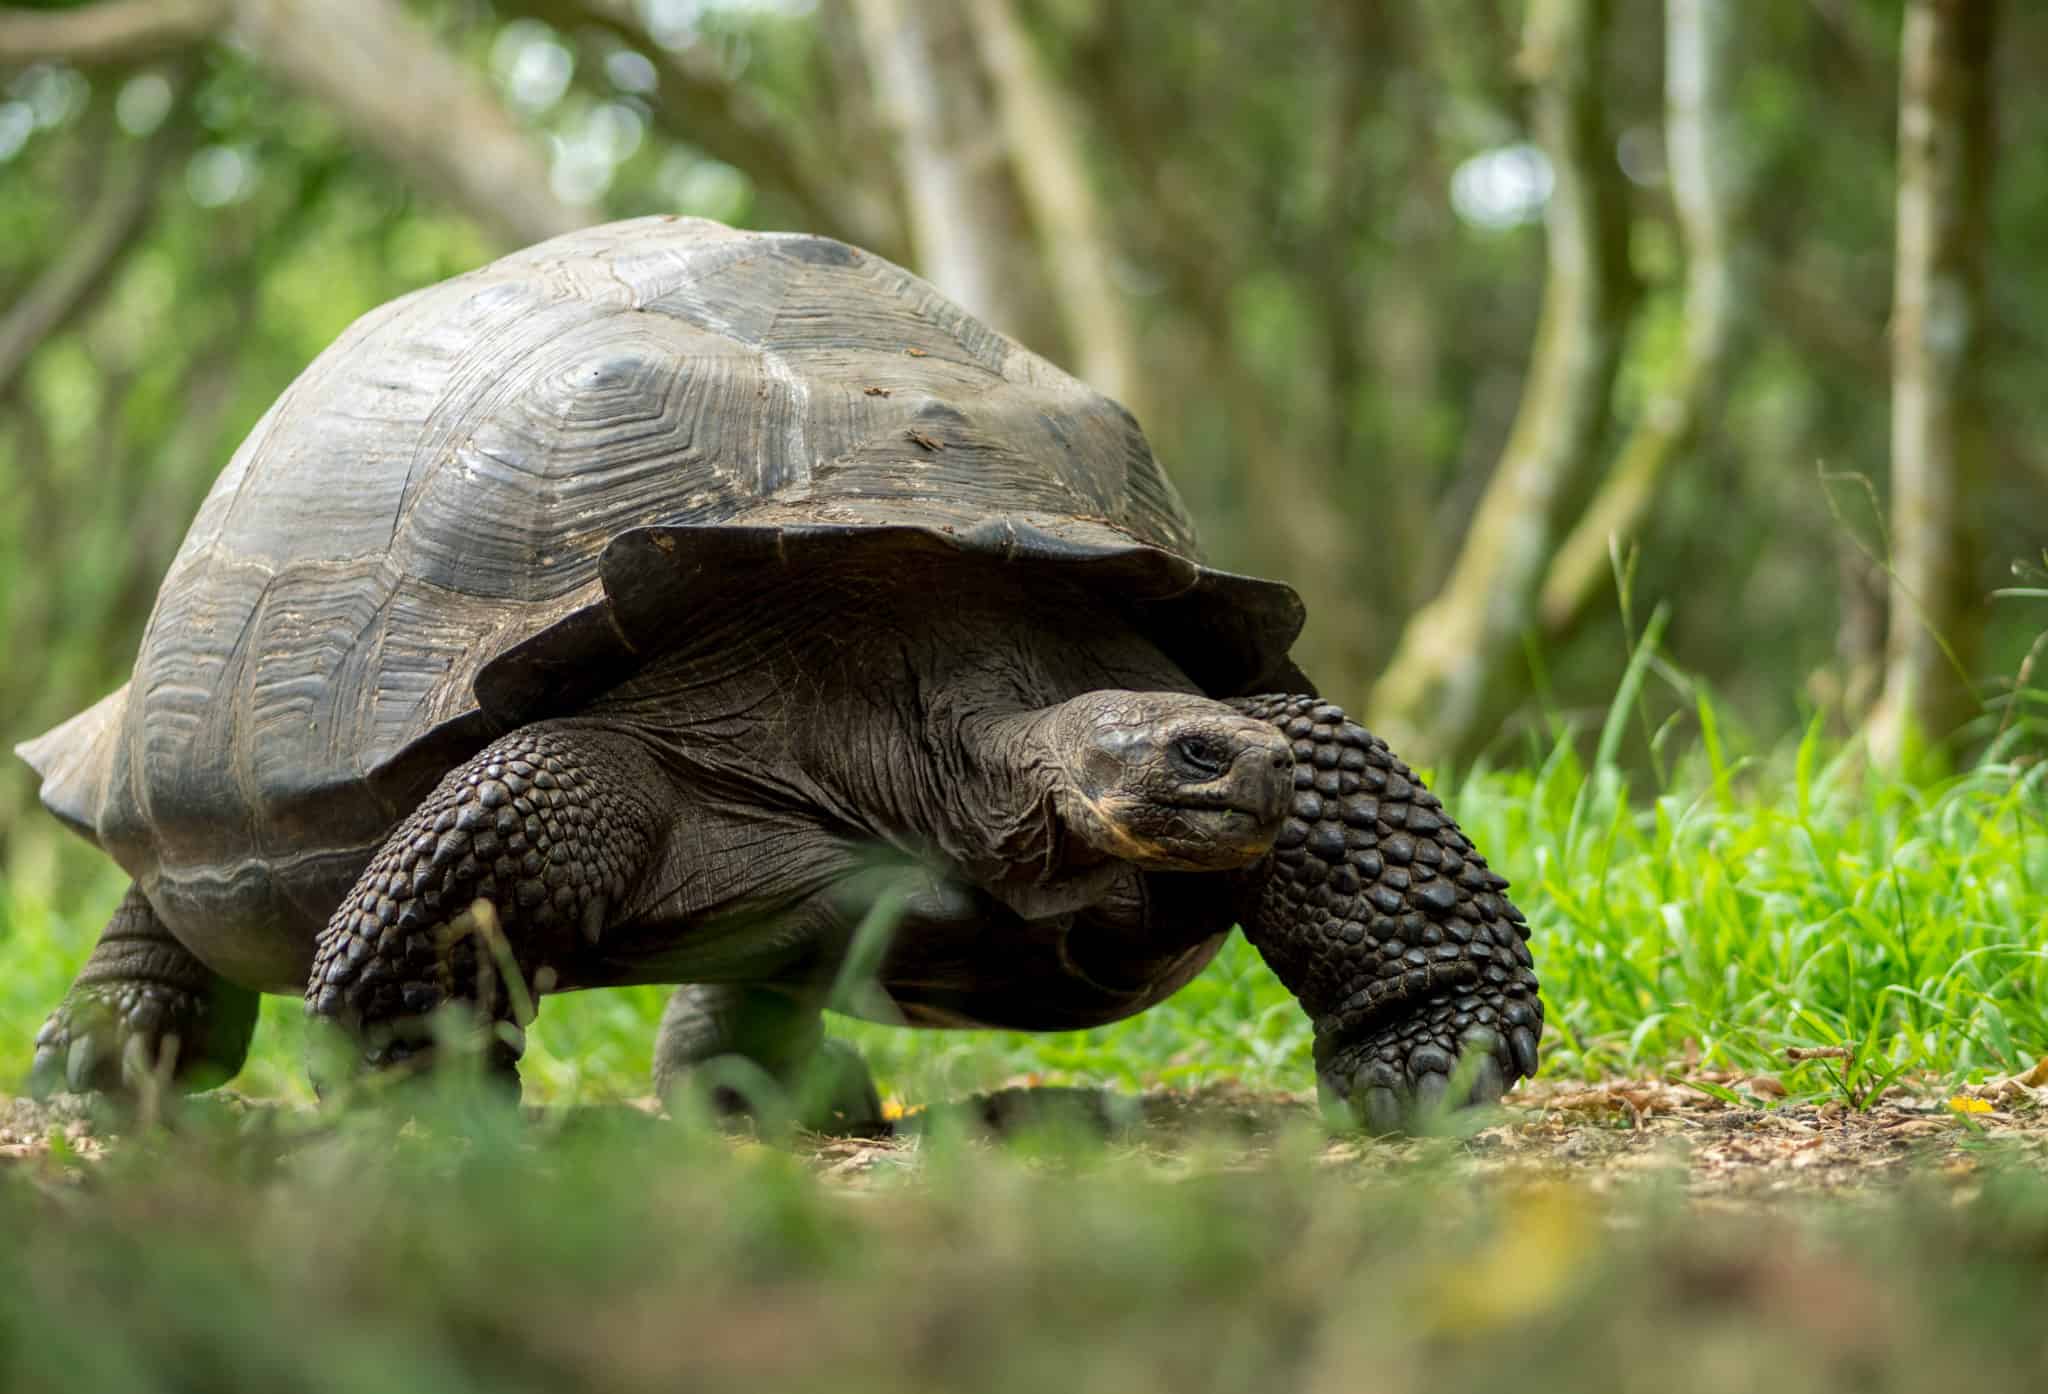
x: 1258, y: 781
x: 1173, y: 781
x: 1262, y: 780
x: 1232, y: 784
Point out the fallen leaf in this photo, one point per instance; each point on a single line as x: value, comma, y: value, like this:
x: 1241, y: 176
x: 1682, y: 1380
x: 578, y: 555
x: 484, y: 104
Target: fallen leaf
x: 1916, y: 1127
x: 2036, y: 1078
x: 1534, y: 1259
x: 1963, y: 1103
x: 1798, y: 1053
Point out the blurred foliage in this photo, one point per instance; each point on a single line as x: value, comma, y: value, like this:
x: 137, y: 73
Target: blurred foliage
x: 268, y: 1250
x: 1325, y: 217
x: 1315, y: 218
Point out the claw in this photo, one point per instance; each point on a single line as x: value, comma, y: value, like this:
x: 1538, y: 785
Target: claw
x: 1488, y: 1082
x: 1380, y: 1110
x: 118, y: 1039
x: 1524, y: 1042
x: 79, y: 1062
x: 46, y: 1075
x: 1480, y: 1041
x: 1429, y: 1092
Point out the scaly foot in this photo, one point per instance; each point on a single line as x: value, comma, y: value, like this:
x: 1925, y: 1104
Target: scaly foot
x: 111, y: 1037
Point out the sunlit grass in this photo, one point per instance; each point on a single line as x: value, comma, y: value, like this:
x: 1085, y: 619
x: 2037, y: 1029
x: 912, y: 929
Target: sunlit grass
x: 1713, y: 915
x: 1803, y: 899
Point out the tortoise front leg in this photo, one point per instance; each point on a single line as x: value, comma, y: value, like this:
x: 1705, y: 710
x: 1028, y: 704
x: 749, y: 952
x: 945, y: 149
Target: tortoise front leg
x: 143, y: 1006
x: 518, y: 860
x: 1377, y: 913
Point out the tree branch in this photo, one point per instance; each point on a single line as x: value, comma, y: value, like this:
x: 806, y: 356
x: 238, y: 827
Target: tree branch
x: 1449, y: 670
x: 1703, y: 146
x: 386, y: 77
x: 373, y: 65
x: 120, y: 31
x: 696, y: 102
x: 1045, y: 151
x: 76, y: 279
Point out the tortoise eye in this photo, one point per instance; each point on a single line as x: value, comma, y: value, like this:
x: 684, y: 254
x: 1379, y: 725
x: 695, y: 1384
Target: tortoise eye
x: 1198, y: 757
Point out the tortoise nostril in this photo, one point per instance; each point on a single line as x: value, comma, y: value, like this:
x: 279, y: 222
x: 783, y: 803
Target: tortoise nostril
x: 1282, y: 759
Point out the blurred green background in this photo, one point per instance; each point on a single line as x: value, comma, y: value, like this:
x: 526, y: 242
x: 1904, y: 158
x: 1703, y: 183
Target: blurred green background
x: 1309, y: 242
x: 1315, y: 227
x: 1633, y: 408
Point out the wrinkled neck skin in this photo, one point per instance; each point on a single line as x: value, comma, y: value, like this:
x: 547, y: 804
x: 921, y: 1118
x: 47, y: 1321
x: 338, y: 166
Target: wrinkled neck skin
x: 910, y: 711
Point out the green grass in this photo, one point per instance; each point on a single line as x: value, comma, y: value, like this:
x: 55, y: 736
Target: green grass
x: 1711, y: 913
x: 1716, y: 915
x: 623, y: 1254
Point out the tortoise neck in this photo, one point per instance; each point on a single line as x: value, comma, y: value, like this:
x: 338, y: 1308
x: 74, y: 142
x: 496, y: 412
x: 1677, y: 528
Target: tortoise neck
x: 994, y: 810
x: 907, y: 709
x: 949, y: 743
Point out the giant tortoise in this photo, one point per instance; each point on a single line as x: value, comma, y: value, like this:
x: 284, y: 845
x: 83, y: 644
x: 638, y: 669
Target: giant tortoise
x: 602, y: 615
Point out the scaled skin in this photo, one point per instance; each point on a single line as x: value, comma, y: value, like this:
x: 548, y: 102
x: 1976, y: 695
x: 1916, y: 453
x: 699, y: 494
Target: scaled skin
x: 966, y: 736
x: 1081, y: 826
x: 729, y: 808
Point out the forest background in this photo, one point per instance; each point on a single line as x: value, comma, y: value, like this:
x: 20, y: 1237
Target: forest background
x: 1448, y: 314
x: 1633, y: 391
x: 1643, y: 396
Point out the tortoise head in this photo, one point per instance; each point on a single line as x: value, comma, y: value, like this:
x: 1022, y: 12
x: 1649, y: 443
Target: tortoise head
x: 1168, y: 781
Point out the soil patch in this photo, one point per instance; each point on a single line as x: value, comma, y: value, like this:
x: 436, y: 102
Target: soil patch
x: 1613, y: 1135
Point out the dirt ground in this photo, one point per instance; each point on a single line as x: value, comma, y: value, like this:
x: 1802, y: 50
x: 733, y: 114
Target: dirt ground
x: 1739, y: 1152
x: 1604, y: 1136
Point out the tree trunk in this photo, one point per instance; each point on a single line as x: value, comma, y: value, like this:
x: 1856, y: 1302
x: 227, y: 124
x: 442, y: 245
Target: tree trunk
x: 1052, y: 173
x: 967, y: 223
x: 1294, y: 530
x: 1703, y: 145
x: 1376, y: 354
x: 1454, y: 665
x: 1938, y: 332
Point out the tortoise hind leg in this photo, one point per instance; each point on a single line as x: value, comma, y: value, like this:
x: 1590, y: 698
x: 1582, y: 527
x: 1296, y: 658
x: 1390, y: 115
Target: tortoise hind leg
x: 777, y: 1032
x: 143, y: 1007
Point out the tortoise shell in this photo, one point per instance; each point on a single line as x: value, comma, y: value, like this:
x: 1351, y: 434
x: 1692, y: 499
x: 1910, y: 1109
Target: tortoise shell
x: 487, y: 499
